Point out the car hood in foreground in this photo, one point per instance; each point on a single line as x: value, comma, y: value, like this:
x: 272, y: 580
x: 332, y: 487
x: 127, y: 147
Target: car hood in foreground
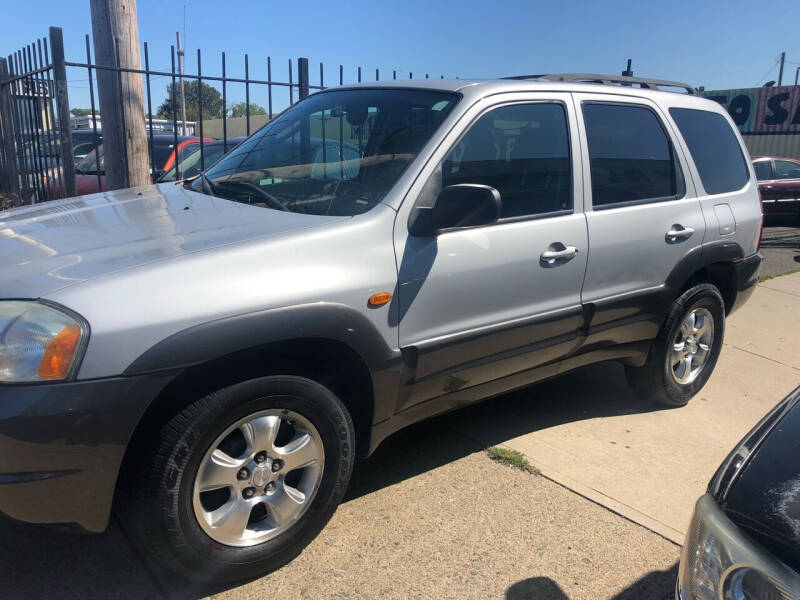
x: 765, y: 499
x: 52, y: 245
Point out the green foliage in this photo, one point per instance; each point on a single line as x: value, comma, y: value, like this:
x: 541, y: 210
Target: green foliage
x: 512, y: 458
x: 240, y: 110
x: 82, y: 112
x: 212, y: 102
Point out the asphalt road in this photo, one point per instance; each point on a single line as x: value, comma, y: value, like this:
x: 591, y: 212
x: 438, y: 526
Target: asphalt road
x: 780, y: 246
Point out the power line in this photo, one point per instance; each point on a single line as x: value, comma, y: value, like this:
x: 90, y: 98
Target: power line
x: 775, y: 64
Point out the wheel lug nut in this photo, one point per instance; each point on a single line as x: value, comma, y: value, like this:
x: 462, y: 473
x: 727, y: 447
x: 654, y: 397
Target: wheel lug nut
x: 243, y: 474
x: 270, y: 487
x: 261, y: 457
x: 248, y: 492
x: 277, y: 465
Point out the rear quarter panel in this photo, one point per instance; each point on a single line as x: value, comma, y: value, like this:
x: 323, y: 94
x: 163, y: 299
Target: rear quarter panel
x: 744, y: 203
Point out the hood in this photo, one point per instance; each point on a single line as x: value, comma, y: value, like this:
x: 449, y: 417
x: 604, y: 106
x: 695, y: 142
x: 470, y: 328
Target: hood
x: 55, y: 244
x: 765, y: 499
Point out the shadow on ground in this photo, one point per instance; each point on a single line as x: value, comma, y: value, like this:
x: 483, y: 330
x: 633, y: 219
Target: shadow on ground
x: 656, y: 585
x: 38, y: 562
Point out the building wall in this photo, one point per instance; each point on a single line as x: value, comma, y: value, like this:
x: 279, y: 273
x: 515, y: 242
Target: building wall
x: 237, y: 126
x: 773, y: 145
x: 767, y: 117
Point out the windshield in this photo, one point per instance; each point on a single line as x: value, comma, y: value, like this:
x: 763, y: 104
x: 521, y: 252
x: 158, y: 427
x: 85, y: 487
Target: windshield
x: 336, y: 153
x: 88, y: 165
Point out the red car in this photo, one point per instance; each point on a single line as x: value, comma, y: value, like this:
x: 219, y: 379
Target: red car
x: 86, y: 180
x: 779, y: 185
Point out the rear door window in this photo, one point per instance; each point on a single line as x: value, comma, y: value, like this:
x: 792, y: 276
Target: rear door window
x: 787, y: 169
x: 631, y: 157
x: 714, y: 149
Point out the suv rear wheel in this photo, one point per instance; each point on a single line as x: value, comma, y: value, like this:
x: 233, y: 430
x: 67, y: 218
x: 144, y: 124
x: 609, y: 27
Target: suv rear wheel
x: 686, y: 350
x: 243, y: 479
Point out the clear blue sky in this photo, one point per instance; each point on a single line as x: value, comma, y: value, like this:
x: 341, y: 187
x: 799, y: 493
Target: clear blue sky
x: 717, y: 44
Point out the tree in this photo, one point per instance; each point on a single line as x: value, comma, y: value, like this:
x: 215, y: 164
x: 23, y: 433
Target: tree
x: 240, y: 110
x: 212, y: 102
x: 82, y: 112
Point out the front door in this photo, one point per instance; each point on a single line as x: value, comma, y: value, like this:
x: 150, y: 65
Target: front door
x: 485, y: 304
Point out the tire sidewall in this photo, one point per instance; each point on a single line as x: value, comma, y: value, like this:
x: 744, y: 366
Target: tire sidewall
x: 201, y: 555
x: 702, y: 296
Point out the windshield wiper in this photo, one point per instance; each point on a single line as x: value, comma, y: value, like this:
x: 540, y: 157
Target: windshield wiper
x: 209, y: 188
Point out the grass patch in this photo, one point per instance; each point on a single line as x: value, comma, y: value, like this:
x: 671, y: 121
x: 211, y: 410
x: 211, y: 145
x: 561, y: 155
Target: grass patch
x: 764, y: 278
x: 512, y: 458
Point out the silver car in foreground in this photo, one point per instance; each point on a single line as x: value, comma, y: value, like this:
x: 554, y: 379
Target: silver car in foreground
x: 210, y: 356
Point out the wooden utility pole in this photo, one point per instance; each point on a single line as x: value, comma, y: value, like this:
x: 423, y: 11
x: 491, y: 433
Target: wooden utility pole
x: 116, y: 44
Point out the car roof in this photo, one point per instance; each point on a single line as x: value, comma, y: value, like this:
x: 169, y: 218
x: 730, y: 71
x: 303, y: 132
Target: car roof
x: 760, y: 158
x: 477, y: 88
x: 168, y: 137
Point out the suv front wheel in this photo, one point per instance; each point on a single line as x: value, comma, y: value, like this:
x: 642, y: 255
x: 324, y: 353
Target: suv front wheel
x: 686, y: 350
x: 240, y: 481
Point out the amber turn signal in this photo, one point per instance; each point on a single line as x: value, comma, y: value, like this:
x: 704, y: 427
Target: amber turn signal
x: 379, y: 299
x: 59, y: 353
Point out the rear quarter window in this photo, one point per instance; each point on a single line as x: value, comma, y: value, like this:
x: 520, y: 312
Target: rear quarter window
x: 714, y: 149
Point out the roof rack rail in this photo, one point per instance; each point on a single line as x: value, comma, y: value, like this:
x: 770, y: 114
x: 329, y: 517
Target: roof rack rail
x: 643, y: 82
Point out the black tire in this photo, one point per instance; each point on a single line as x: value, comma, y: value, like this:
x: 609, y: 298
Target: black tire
x: 156, y: 507
x: 654, y: 381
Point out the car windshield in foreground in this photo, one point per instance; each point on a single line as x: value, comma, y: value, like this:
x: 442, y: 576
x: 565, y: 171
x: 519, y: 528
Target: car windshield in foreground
x: 335, y: 153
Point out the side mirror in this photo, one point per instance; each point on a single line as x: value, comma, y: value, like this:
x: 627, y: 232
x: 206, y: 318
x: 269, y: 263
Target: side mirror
x: 458, y: 206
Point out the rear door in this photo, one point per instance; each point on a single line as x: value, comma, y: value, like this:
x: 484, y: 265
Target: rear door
x: 643, y: 218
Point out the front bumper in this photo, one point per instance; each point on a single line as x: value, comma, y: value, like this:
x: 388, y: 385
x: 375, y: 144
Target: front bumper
x: 746, y: 272
x: 710, y: 524
x: 61, y: 446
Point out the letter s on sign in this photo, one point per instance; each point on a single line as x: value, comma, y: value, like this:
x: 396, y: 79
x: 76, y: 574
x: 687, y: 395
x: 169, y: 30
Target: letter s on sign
x: 779, y: 114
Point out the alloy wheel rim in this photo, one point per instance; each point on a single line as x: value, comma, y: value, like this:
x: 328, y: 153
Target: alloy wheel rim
x: 691, y: 346
x: 258, y: 478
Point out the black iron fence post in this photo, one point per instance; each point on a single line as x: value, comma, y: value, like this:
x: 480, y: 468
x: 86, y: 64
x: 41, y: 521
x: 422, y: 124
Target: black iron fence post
x: 6, y: 126
x: 62, y: 107
x: 302, y: 78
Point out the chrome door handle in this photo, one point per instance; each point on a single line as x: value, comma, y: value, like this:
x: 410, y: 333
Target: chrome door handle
x: 678, y: 233
x: 551, y: 256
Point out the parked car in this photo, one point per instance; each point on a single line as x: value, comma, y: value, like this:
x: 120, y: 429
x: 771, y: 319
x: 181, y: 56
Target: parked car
x: 190, y: 165
x: 164, y: 153
x: 744, y: 539
x: 211, y: 357
x: 83, y: 142
x: 778, y: 184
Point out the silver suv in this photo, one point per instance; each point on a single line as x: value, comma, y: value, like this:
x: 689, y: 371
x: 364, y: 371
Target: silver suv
x: 209, y: 357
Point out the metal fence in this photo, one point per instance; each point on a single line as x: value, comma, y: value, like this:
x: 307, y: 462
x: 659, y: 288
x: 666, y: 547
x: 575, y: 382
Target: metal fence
x: 34, y: 120
x: 37, y: 161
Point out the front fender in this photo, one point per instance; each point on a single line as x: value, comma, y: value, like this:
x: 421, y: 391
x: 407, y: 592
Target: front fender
x: 220, y: 337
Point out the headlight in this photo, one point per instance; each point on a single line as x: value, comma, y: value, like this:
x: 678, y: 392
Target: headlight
x: 719, y: 563
x: 747, y: 583
x: 38, y: 342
